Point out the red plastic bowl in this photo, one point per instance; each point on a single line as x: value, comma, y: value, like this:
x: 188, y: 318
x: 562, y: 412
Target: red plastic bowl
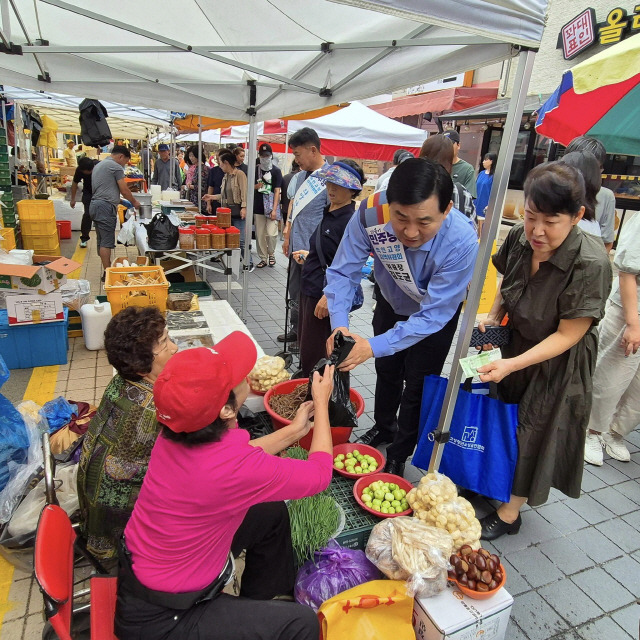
x: 481, y: 595
x: 364, y: 449
x: 339, y: 435
x: 365, y: 481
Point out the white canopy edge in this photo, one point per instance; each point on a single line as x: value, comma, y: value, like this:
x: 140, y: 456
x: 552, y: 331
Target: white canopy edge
x: 303, y: 56
x: 520, y: 22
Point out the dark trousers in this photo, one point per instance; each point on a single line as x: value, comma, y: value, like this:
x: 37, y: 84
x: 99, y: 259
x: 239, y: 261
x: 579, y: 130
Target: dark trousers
x: 400, y: 379
x: 312, y: 334
x: 265, y: 534
x: 85, y: 225
x: 295, y: 276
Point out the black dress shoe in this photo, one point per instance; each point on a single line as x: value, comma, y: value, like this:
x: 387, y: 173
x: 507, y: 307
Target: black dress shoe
x: 292, y: 336
x: 396, y: 467
x: 374, y: 437
x: 493, y: 527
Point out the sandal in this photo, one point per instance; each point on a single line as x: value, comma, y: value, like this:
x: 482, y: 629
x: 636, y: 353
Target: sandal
x: 261, y: 265
x: 272, y: 261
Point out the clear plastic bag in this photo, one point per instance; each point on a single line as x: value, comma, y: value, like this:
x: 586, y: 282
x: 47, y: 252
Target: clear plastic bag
x: 433, y: 489
x: 75, y: 293
x: 127, y: 233
x: 17, y: 256
x: 333, y: 569
x: 405, y: 548
x: 458, y: 518
x: 24, y: 521
x: 21, y: 473
x: 267, y: 372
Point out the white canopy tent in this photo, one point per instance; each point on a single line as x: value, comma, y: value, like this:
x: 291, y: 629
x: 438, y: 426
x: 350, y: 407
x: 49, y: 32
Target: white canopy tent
x: 256, y: 58
x: 351, y: 131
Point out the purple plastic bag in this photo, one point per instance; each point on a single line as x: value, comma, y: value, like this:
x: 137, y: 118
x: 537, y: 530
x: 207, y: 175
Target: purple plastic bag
x: 333, y: 569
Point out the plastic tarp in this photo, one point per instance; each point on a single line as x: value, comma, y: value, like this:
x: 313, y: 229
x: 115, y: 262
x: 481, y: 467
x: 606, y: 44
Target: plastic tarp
x: 125, y: 121
x: 356, y: 132
x: 301, y: 55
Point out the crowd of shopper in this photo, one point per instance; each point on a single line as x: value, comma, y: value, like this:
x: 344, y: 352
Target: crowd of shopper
x: 166, y: 429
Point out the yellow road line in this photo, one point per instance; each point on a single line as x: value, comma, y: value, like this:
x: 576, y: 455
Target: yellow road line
x: 42, y: 384
x: 6, y: 579
x: 79, y: 256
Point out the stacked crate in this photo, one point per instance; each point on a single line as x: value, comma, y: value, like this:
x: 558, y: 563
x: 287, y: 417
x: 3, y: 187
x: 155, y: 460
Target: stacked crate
x: 9, y: 222
x: 38, y: 225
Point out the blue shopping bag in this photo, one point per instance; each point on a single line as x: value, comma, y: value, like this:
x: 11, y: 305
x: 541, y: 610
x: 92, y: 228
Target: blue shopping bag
x: 482, y: 450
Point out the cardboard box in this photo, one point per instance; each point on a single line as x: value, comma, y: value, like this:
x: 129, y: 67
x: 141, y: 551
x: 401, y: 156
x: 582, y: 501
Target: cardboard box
x: 34, y: 309
x: 35, y: 278
x: 453, y: 616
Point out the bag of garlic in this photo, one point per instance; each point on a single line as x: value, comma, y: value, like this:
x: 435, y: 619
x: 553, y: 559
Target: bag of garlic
x: 482, y: 436
x: 405, y: 548
x: 457, y: 517
x: 267, y: 372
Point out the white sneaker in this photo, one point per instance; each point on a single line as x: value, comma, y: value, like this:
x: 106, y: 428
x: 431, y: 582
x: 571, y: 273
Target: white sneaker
x: 593, y: 449
x: 614, y: 445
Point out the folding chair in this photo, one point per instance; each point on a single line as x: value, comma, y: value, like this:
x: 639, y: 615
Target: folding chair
x: 53, y: 562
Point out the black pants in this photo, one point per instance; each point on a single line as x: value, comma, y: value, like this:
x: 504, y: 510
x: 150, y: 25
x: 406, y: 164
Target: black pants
x: 295, y: 276
x: 312, y: 334
x: 400, y: 379
x: 265, y: 534
x: 85, y: 225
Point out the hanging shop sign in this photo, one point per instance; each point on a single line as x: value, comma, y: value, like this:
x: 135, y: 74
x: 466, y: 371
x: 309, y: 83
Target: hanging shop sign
x: 584, y: 31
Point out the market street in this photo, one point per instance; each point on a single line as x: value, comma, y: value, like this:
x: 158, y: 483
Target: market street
x: 573, y: 570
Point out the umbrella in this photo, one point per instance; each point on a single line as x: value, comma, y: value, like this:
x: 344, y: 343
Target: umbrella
x: 599, y: 97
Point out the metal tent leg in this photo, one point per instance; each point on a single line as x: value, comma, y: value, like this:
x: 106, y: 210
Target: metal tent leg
x: 489, y: 235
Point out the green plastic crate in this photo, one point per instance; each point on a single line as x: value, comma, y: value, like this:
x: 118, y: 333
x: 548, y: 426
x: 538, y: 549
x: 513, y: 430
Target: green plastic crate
x: 358, y: 523
x: 5, y: 176
x: 201, y: 289
x: 7, y: 197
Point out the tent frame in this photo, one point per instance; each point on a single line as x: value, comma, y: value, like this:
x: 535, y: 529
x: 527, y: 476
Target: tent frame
x: 498, y: 192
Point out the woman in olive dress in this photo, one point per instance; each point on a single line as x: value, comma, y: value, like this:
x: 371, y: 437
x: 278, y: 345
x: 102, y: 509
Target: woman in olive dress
x: 556, y: 282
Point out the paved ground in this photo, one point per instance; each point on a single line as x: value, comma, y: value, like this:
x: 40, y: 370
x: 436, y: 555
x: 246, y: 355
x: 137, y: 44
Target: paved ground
x: 574, y: 569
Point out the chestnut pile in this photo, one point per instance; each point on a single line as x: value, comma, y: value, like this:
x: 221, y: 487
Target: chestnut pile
x: 477, y: 570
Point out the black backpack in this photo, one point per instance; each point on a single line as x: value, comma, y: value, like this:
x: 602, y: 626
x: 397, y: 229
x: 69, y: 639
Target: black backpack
x: 93, y: 123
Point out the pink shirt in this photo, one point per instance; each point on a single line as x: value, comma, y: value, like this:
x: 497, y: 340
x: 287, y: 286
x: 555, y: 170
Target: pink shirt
x: 193, y: 499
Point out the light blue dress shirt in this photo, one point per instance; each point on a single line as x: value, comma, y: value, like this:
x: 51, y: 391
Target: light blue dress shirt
x: 441, y: 268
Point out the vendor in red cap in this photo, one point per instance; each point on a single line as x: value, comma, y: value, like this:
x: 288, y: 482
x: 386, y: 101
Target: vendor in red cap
x: 210, y: 493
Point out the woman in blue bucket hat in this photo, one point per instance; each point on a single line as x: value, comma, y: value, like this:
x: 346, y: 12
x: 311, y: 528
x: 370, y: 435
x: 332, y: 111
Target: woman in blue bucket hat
x: 344, y: 181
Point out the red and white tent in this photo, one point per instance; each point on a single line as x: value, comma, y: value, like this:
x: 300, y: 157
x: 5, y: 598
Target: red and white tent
x: 354, y: 132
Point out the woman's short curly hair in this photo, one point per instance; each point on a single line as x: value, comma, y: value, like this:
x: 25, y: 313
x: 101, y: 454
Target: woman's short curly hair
x: 129, y: 340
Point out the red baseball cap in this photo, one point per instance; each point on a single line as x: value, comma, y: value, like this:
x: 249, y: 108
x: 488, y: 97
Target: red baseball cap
x: 195, y: 384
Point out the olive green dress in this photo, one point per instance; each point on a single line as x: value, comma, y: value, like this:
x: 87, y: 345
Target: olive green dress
x: 113, y: 463
x: 554, y: 397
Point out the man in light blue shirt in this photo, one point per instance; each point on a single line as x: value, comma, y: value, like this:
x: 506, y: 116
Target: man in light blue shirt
x: 424, y: 254
x: 308, y: 198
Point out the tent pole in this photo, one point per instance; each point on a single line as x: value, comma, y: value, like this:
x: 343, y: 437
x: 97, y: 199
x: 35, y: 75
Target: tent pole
x: 199, y: 160
x: 251, y: 180
x: 489, y: 235
x: 286, y: 148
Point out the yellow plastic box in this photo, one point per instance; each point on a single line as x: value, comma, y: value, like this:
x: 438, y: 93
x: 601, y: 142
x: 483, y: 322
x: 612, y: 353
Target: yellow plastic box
x: 48, y: 244
x: 143, y: 295
x: 7, y: 239
x: 36, y: 210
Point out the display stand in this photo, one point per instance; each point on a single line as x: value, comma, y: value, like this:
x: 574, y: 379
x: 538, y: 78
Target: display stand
x: 221, y: 320
x: 198, y: 258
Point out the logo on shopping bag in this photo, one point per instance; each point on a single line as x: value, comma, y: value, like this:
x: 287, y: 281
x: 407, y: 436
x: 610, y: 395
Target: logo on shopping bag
x: 470, y: 434
x: 468, y: 439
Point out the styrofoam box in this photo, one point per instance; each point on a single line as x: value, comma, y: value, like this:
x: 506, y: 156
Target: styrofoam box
x: 453, y: 616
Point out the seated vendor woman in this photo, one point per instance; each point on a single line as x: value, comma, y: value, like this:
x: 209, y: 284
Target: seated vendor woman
x: 208, y: 494
x: 118, y: 443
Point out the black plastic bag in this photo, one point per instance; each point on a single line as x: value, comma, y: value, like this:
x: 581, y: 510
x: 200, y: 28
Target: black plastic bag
x: 162, y: 233
x: 341, y: 411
